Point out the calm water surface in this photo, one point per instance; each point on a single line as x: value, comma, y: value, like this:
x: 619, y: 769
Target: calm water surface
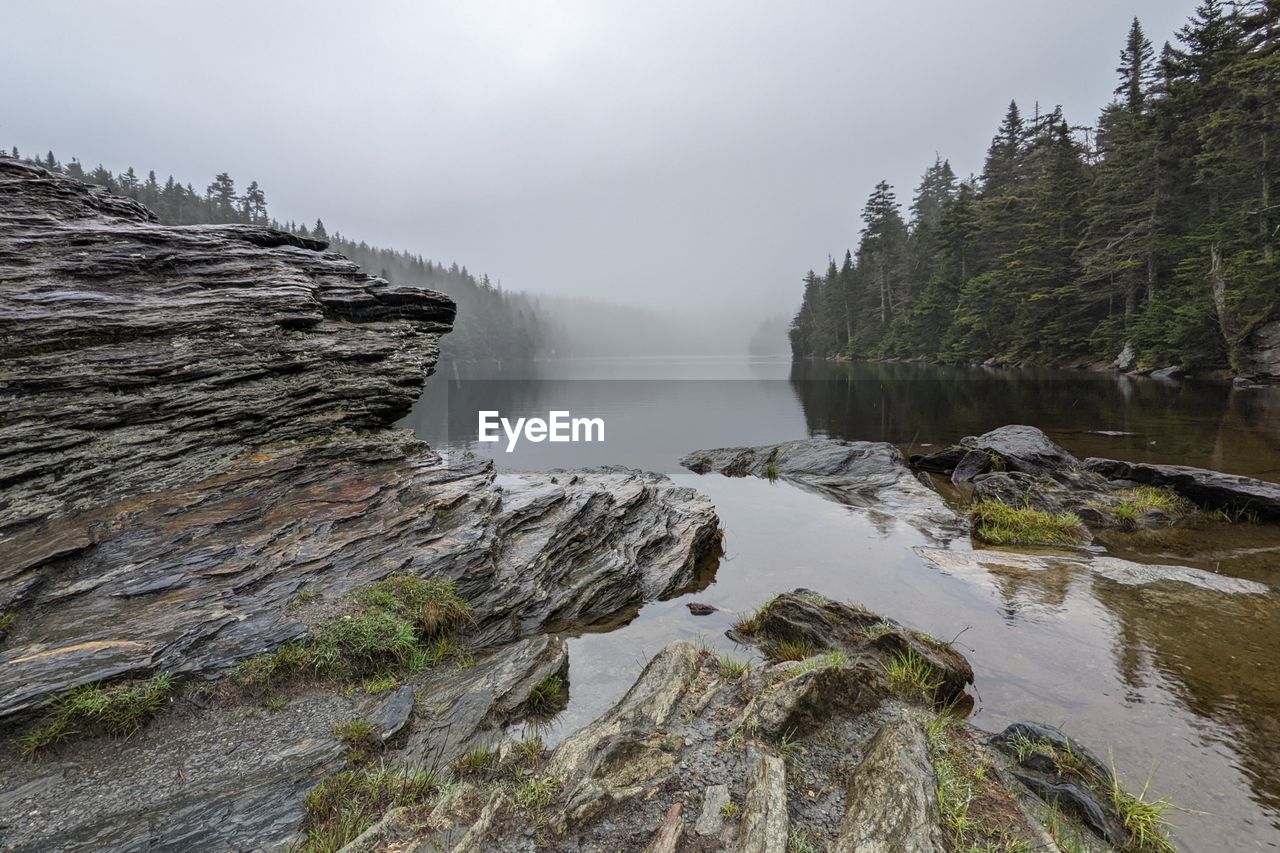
x: 1182, y: 683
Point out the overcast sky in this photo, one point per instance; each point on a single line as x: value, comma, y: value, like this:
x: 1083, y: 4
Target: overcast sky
x: 683, y: 153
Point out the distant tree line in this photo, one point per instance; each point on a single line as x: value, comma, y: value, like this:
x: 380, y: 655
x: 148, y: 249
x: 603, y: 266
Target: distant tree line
x: 491, y: 324
x: 1157, y: 229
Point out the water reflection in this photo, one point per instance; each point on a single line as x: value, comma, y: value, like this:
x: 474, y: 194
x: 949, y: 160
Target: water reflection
x: 1180, y: 681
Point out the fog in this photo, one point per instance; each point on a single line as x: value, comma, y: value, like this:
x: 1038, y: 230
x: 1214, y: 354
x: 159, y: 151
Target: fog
x: 692, y: 157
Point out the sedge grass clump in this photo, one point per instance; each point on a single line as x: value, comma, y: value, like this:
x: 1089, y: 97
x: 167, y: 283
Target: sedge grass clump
x: 730, y: 810
x: 912, y: 677
x: 549, y: 694
x: 731, y: 669
x: 817, y: 662
x: 348, y: 802
x: 1001, y: 524
x: 6, y: 623
x: 537, y: 793
x: 1145, y: 819
x: 783, y: 650
x: 118, y: 710
x: 356, y: 733
x: 431, y: 604
x: 476, y: 760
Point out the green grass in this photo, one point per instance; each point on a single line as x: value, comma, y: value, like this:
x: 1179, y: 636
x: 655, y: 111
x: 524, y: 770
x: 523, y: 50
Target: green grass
x: 476, y: 760
x: 6, y: 622
x: 788, y: 650
x: 348, y: 802
x: 912, y: 677
x: 730, y: 810
x: 732, y: 669
x: 817, y: 662
x: 771, y: 471
x: 547, y: 695
x: 1001, y: 524
x: 799, y: 841
x: 384, y: 683
x: 876, y: 631
x: 275, y: 704
x: 118, y: 710
x: 355, y: 733
x: 401, y: 623
x: 537, y: 793
x: 1145, y: 819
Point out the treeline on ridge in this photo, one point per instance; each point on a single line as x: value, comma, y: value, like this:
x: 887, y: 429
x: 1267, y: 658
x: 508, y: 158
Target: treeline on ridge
x: 1153, y: 234
x: 492, y: 323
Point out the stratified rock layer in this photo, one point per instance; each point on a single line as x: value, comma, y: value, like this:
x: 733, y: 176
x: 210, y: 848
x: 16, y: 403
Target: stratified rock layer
x: 136, y: 356
x: 197, y: 467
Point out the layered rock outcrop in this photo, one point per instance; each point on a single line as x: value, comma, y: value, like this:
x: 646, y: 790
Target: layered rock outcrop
x: 198, y: 468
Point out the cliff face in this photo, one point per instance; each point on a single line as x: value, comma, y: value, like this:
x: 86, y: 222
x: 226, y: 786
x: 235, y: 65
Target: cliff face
x: 1261, y: 355
x: 197, y: 468
x: 136, y: 356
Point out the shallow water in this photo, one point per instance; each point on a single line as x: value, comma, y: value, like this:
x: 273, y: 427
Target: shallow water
x: 1180, y: 682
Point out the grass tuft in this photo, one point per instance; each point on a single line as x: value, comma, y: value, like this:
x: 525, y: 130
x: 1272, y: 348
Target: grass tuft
x: 431, y: 604
x: 771, y: 471
x: 547, y: 695
x: 730, y: 810
x: 912, y: 677
x: 348, y: 802
x: 476, y: 760
x: 732, y: 669
x: 356, y: 733
x: 799, y: 841
x: 6, y: 623
x: 1001, y: 524
x: 1145, y: 819
x: 537, y: 793
x: 118, y: 710
x: 788, y: 650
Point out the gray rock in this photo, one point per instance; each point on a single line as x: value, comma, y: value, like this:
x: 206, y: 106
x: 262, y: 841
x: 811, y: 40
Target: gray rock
x: 972, y: 464
x: 667, y: 838
x: 765, y: 822
x: 1166, y: 373
x: 892, y: 805
x: 1126, y: 359
x: 697, y: 608
x: 392, y: 714
x: 710, y: 819
x: 1260, y: 354
x: 1121, y: 571
x: 865, y: 474
x: 1206, y: 488
x: 1080, y: 802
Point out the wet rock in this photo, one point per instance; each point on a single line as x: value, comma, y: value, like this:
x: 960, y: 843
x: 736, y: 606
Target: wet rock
x: 1166, y: 373
x: 1026, y: 731
x: 765, y: 823
x: 1209, y: 489
x: 1121, y: 571
x: 617, y: 756
x: 972, y: 464
x: 1076, y: 800
x: 392, y: 714
x: 1127, y: 358
x: 864, y: 474
x: 697, y: 608
x: 1260, y: 354
x: 802, y: 703
x: 1013, y: 448
x: 711, y: 819
x: 892, y: 804
x: 141, y: 356
x: 667, y: 838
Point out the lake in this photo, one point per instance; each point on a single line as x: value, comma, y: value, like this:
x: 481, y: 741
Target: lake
x: 1182, y: 683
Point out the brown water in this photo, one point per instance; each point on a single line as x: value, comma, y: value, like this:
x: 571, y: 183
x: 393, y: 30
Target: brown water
x: 1180, y: 682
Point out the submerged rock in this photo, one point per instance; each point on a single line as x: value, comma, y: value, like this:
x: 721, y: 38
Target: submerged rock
x: 865, y: 474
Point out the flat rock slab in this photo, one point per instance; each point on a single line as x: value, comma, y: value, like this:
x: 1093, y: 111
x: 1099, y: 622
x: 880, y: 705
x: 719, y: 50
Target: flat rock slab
x: 869, y: 475
x: 764, y: 812
x: 1120, y: 571
x: 1209, y: 489
x: 711, y: 818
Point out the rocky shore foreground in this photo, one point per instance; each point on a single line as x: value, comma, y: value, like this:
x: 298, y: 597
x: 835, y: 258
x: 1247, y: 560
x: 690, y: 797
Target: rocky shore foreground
x: 239, y: 610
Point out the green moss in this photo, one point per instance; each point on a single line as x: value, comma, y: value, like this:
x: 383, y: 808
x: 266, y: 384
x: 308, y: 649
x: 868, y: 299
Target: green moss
x: 119, y: 710
x: 348, y: 802
x: 1001, y: 524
